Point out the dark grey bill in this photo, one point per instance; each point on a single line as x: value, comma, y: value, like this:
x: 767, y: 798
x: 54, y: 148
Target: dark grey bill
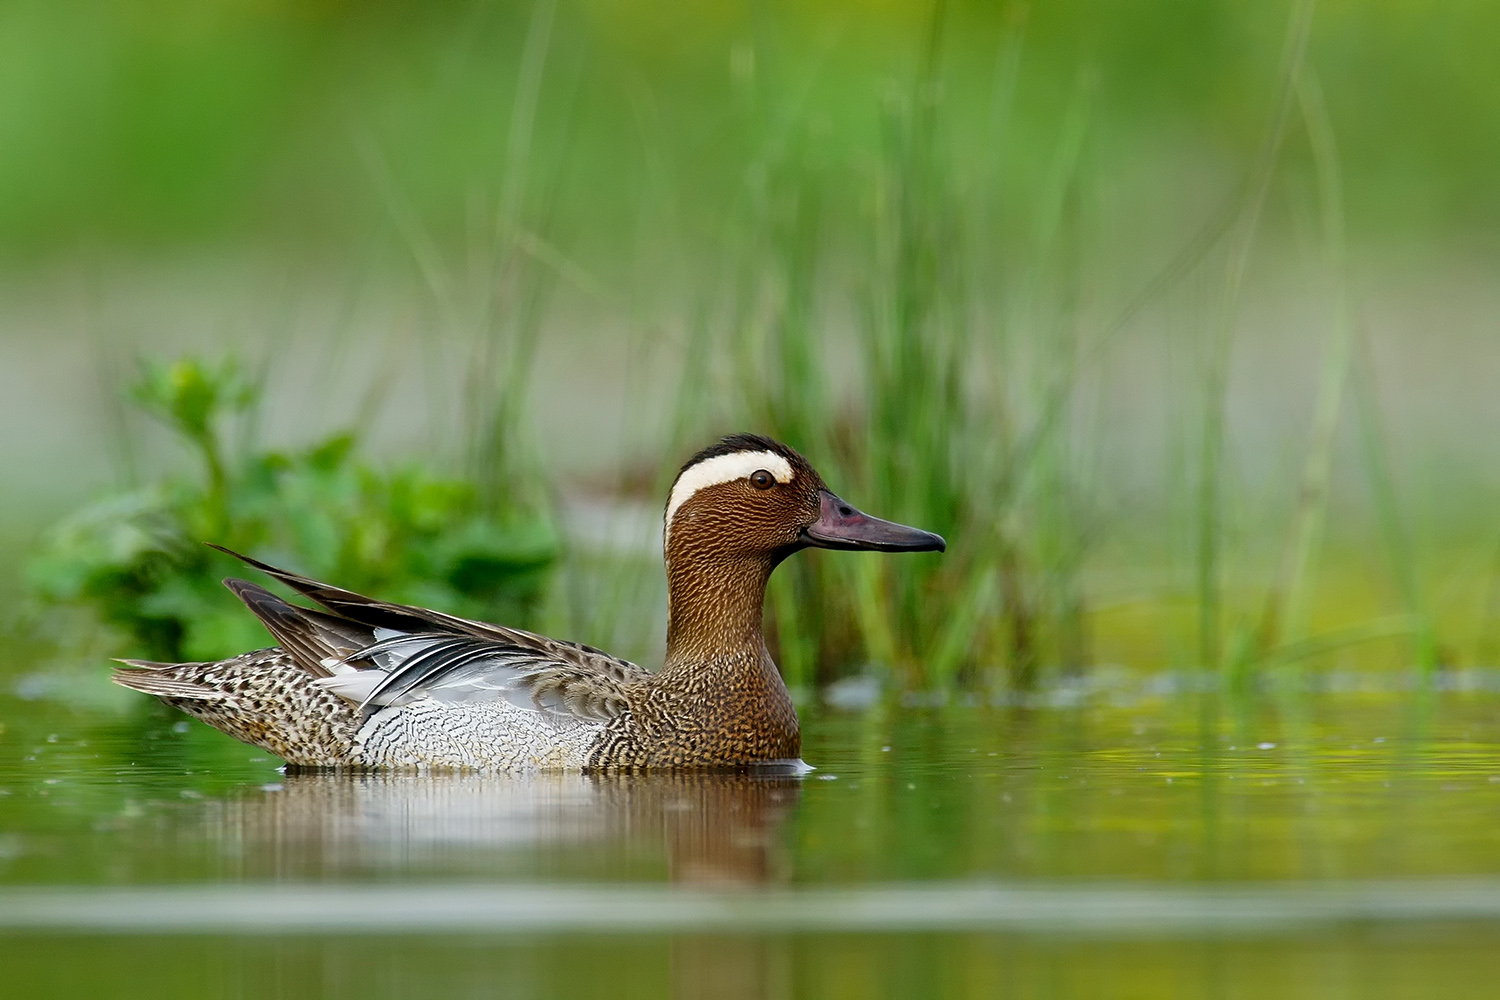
x: 840, y: 526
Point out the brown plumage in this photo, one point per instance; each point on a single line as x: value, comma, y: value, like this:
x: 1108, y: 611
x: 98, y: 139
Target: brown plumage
x: 369, y: 683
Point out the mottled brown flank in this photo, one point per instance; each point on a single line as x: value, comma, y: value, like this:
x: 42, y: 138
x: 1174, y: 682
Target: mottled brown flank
x: 726, y: 713
x: 262, y: 698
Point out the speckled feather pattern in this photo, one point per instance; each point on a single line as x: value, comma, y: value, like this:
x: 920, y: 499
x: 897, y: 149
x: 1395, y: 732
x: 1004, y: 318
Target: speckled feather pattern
x: 732, y: 711
x: 266, y: 699
x: 262, y: 698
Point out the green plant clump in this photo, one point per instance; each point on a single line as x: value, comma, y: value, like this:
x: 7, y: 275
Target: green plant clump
x: 138, y: 559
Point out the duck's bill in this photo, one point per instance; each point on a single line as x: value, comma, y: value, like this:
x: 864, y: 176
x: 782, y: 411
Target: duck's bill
x: 840, y: 526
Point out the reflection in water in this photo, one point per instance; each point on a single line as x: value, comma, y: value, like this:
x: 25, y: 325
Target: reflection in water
x: 714, y: 828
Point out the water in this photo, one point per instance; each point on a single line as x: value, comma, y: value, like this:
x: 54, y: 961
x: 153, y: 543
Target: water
x: 1129, y: 844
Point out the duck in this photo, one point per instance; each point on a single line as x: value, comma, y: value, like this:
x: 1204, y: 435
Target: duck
x: 361, y: 683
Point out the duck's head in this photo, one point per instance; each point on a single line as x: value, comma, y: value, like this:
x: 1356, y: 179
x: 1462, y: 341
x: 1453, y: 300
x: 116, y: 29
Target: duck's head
x: 749, y: 498
x: 736, y: 510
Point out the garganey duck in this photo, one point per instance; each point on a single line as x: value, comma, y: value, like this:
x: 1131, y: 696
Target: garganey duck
x: 365, y: 683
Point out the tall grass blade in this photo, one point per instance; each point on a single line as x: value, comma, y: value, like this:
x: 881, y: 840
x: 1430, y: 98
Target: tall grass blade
x: 1210, y: 500
x: 1288, y: 602
x: 1375, y: 452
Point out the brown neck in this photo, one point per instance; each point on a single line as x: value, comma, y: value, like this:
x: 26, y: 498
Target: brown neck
x: 717, y: 660
x: 714, y: 607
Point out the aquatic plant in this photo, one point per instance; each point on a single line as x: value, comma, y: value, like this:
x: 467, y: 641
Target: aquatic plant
x: 137, y: 558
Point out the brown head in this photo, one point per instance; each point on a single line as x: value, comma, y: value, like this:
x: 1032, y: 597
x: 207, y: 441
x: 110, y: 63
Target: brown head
x: 736, y: 510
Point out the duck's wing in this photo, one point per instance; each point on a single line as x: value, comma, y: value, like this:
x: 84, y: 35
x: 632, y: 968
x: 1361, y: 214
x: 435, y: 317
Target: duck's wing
x: 380, y: 654
x: 546, y: 675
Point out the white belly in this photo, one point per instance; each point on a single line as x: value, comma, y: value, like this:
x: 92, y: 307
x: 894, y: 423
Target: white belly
x: 474, y: 735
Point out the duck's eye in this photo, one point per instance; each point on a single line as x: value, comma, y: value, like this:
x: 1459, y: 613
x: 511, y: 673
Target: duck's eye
x: 762, y: 480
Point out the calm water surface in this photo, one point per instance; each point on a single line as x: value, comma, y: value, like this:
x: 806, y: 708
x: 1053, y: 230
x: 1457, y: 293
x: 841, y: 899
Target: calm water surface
x: 1128, y: 845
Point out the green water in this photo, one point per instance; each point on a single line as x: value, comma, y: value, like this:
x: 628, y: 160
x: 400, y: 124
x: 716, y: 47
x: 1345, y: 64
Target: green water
x: 1131, y: 842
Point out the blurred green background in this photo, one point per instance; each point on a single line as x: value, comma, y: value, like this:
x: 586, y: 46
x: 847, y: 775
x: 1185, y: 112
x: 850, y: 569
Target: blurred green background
x: 1177, y: 318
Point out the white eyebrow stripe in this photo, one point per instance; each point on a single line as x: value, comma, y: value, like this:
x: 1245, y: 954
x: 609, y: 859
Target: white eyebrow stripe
x: 724, y: 469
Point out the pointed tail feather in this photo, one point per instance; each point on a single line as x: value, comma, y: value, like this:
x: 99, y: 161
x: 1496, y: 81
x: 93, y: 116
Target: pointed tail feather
x: 163, y: 680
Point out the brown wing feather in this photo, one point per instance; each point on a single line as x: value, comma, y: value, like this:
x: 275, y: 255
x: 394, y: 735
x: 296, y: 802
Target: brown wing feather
x: 309, y: 636
x: 381, y: 614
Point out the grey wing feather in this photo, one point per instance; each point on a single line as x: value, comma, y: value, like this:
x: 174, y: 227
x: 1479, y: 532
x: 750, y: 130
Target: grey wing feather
x: 541, y: 674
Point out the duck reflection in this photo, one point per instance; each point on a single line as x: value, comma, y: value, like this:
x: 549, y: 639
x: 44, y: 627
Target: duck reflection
x: 713, y: 828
